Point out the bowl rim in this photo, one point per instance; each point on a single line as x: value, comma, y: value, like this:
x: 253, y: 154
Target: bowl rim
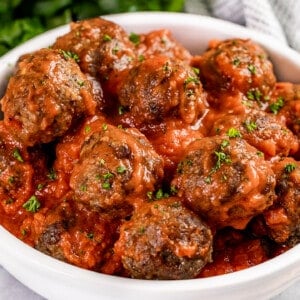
x: 34, y: 257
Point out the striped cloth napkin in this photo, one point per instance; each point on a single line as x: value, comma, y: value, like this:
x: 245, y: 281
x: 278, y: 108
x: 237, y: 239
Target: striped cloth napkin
x: 279, y: 18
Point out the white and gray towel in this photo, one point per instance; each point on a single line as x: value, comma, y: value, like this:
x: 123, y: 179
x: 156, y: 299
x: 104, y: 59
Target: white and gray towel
x: 279, y: 18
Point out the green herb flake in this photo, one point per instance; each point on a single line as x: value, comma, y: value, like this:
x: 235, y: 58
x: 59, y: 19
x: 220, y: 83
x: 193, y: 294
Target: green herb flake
x: 135, y: 38
x: 260, y: 154
x: 115, y: 50
x: 104, y: 127
x: 159, y: 194
x: 141, y: 58
x: 250, y: 125
x: 121, y: 110
x: 221, y: 159
x: 276, y: 106
x: 83, y: 187
x: 236, y: 62
x: 87, y: 129
x: 106, y: 185
x: 121, y: 169
x: 69, y: 55
x: 173, y: 190
x: 224, y: 144
x: 52, y: 174
x: 107, y: 176
x: 32, y: 204
x: 196, y: 70
x: 149, y: 195
x: 17, y: 155
x: 233, y: 133
x: 289, y: 168
x: 252, y: 69
x: 40, y: 186
x: 191, y: 79
x: 106, y: 38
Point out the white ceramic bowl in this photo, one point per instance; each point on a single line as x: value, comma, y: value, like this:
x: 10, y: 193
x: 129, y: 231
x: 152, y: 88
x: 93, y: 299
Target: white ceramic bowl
x: 54, y: 279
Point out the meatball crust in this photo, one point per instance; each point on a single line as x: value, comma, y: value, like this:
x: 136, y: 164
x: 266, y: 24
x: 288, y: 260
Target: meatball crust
x: 102, y: 46
x: 159, y: 87
x: 261, y: 130
x: 45, y: 96
x: 236, y: 65
x: 114, y: 163
x: 225, y: 181
x: 283, y: 217
x: 161, y: 42
x: 76, y: 234
x: 164, y: 240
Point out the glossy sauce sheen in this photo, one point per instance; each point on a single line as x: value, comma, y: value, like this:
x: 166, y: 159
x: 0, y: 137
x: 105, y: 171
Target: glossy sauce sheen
x: 126, y: 155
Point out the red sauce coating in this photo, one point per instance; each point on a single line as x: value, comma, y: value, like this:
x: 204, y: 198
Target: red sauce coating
x: 126, y: 155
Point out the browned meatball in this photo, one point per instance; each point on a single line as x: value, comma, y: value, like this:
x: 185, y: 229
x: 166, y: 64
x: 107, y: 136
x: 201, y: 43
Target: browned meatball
x: 101, y: 46
x: 283, y: 217
x: 76, y: 234
x: 161, y: 42
x: 113, y: 163
x: 164, y: 240
x: 159, y: 87
x: 45, y: 96
x: 236, y: 65
x: 225, y: 181
x: 261, y: 130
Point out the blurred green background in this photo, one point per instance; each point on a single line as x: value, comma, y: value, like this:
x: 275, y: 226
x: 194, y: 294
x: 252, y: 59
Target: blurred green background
x: 20, y: 20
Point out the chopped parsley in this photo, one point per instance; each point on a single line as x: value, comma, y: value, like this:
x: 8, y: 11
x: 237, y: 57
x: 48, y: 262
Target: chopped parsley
x: 252, y: 69
x: 250, y: 125
x: 221, y: 159
x: 17, y: 155
x: 52, y: 174
x: 69, y: 55
x: 254, y: 94
x: 135, y: 38
x: 277, y: 105
x: 191, y: 80
x: 233, y: 133
x: 289, y: 168
x: 106, y: 38
x: 141, y: 58
x: 106, y: 185
x: 104, y: 127
x: 32, y: 204
x: 121, y: 169
x: 236, y: 62
x: 87, y: 128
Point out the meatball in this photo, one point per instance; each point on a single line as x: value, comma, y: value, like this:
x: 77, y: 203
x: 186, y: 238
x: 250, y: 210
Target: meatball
x: 102, y: 47
x: 236, y: 65
x: 261, y: 130
x: 114, y: 163
x: 161, y: 42
x: 283, y: 217
x: 164, y: 240
x: 76, y: 234
x: 225, y: 181
x: 160, y: 87
x: 45, y: 97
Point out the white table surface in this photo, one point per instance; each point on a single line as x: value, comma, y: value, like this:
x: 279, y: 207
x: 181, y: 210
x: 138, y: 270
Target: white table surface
x: 12, y: 289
